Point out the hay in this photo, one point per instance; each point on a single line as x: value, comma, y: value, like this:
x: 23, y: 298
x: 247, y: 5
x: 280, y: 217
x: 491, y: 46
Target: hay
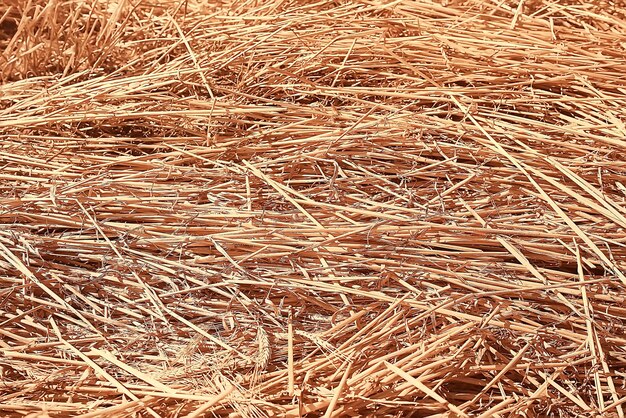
x: 330, y: 209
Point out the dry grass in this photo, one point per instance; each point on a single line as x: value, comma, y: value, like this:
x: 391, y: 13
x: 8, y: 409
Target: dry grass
x: 288, y: 208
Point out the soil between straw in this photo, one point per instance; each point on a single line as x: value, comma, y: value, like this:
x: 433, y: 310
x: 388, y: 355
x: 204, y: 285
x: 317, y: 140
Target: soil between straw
x: 286, y: 208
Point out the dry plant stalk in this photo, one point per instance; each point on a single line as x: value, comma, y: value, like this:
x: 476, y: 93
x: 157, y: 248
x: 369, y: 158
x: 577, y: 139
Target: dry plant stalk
x: 285, y: 208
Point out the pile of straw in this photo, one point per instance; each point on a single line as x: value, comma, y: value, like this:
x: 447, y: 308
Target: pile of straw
x: 334, y: 208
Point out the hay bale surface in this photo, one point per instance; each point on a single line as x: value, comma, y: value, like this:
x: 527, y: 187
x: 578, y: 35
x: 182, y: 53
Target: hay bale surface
x: 284, y: 208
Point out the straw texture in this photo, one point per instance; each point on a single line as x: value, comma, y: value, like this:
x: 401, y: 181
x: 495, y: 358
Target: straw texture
x: 336, y: 208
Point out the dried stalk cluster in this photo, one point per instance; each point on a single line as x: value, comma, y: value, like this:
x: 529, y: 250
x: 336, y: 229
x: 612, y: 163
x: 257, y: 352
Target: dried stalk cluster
x: 335, y: 208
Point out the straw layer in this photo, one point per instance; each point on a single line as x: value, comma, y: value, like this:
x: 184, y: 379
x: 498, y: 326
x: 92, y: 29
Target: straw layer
x: 283, y: 208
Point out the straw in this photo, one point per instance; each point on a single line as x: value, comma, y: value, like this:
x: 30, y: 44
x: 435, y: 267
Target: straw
x: 283, y: 208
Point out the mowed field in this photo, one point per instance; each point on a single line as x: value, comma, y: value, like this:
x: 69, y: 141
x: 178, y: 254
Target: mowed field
x: 288, y: 208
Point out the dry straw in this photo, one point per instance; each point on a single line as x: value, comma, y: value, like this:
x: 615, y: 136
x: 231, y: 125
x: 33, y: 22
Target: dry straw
x: 288, y: 208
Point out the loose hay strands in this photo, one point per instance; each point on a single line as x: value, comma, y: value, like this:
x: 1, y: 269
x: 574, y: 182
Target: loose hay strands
x: 285, y: 208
